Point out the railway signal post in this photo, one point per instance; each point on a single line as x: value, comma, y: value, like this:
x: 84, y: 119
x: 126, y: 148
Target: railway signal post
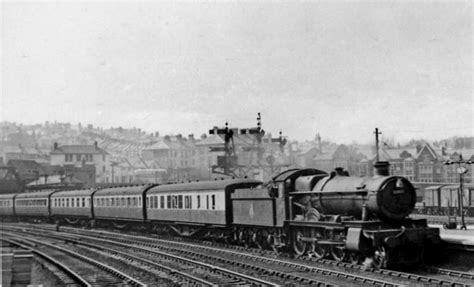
x: 462, y: 169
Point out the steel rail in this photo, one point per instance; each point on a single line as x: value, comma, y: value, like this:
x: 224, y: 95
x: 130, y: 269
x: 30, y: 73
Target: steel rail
x: 452, y: 273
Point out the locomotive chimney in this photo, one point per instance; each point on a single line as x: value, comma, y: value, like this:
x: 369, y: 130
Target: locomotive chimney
x: 381, y: 168
x: 341, y: 172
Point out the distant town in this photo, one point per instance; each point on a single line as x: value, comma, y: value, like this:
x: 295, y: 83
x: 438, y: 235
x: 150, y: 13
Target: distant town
x: 76, y: 155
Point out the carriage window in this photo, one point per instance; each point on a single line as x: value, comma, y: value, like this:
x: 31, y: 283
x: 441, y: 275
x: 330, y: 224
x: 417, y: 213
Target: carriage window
x: 155, y: 204
x: 175, y: 201
x: 122, y: 201
x: 207, y: 201
x: 188, y: 202
x: 180, y: 201
x: 88, y: 202
x: 168, y: 199
x: 147, y: 200
x: 134, y: 201
x: 162, y: 201
x: 67, y: 202
x: 140, y: 201
x: 113, y: 201
x: 129, y: 202
x: 213, y: 201
x: 199, y: 201
x: 83, y: 200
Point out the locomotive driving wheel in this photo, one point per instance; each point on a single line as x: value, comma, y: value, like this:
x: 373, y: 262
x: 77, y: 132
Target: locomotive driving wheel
x: 299, y: 246
x: 317, y: 251
x: 339, y: 252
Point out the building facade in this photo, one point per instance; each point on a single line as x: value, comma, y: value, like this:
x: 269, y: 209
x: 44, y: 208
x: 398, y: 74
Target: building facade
x: 82, y: 155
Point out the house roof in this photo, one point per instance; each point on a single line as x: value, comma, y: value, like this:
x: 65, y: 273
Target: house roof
x: 24, y: 164
x: 211, y: 140
x: 78, y: 149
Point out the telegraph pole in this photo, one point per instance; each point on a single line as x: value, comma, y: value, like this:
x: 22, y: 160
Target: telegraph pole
x: 462, y: 169
x: 377, y: 133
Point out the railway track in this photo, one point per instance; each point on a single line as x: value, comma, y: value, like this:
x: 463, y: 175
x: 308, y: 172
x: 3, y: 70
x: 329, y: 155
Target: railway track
x: 182, y: 266
x: 274, y: 272
x: 265, y: 265
x: 288, y: 271
x: 80, y: 269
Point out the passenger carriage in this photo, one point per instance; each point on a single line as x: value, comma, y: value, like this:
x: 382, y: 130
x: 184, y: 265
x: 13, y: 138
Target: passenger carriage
x: 6, y: 205
x: 33, y: 205
x: 120, y: 205
x: 72, y: 206
x: 189, y: 208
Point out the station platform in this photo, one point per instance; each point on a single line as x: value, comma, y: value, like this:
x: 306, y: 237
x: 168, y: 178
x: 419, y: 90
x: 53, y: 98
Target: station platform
x: 457, y: 236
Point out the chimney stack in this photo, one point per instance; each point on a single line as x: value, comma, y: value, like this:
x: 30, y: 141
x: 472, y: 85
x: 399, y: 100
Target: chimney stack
x: 381, y: 168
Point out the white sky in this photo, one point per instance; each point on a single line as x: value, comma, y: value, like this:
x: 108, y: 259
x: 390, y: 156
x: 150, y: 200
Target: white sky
x: 337, y: 68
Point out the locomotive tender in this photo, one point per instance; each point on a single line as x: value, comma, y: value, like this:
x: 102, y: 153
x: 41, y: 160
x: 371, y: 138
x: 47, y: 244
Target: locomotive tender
x: 306, y: 211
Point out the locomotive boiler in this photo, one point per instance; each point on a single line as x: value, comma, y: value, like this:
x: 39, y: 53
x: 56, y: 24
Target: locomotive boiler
x: 383, y: 197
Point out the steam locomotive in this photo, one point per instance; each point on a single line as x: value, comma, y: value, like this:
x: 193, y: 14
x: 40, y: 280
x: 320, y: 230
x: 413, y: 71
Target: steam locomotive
x: 305, y: 211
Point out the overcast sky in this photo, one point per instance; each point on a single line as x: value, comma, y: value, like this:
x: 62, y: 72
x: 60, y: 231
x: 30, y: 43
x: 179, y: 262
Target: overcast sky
x: 337, y: 68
